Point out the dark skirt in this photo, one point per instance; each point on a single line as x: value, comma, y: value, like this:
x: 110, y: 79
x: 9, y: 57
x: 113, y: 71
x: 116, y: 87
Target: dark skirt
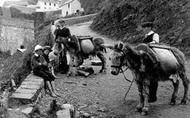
x: 45, y: 74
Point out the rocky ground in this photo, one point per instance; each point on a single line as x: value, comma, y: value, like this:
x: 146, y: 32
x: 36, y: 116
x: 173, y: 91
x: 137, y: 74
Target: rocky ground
x: 101, y: 95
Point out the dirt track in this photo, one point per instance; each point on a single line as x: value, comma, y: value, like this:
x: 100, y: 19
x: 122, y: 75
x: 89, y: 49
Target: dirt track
x: 102, y: 94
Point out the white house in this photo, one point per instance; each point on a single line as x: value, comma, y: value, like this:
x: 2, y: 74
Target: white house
x: 1, y: 2
x: 69, y: 7
x: 47, y: 5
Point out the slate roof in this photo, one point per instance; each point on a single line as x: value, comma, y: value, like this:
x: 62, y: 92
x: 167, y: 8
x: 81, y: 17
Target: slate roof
x: 63, y: 2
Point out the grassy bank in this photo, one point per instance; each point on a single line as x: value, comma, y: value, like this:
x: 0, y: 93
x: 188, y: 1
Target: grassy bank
x: 121, y: 20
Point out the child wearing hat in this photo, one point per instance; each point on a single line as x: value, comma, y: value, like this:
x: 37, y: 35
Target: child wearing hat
x: 41, y: 69
x: 150, y: 35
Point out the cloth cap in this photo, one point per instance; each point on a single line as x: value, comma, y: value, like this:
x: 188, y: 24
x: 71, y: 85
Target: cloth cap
x: 47, y: 48
x: 61, y: 21
x: 38, y: 47
x: 147, y: 24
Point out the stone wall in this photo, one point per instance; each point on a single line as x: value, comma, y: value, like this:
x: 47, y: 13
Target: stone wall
x: 15, y: 32
x: 79, y: 19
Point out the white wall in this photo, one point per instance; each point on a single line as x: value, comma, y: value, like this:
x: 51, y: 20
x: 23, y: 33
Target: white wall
x: 1, y: 2
x: 64, y: 10
x: 47, y: 6
x: 74, y: 6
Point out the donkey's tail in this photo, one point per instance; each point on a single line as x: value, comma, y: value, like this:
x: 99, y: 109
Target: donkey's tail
x: 179, y: 56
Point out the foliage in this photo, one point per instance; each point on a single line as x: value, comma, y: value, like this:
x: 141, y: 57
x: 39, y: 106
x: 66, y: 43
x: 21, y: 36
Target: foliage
x: 121, y: 19
x: 16, y: 13
x: 92, y: 6
x: 32, y: 2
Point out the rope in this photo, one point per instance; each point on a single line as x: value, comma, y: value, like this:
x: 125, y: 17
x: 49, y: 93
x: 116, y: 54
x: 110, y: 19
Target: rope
x: 128, y: 81
x: 129, y: 89
x: 124, y: 74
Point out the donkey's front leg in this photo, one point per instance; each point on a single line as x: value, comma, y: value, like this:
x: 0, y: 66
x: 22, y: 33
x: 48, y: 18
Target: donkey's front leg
x: 145, y: 108
x: 141, y: 97
x: 72, y: 64
x: 100, y: 55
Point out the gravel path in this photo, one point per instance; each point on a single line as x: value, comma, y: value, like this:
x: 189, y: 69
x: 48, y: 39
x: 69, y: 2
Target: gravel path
x: 102, y: 94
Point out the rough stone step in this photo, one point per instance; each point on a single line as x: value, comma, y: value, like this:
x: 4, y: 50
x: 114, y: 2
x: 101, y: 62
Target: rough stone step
x: 27, y: 96
x: 29, y: 90
x: 34, y: 77
x: 26, y: 91
x: 28, y: 86
x: 31, y: 83
x: 22, y: 112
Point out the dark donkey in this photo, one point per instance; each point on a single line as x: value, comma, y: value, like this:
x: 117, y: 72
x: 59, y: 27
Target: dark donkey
x: 145, y: 70
x: 81, y: 47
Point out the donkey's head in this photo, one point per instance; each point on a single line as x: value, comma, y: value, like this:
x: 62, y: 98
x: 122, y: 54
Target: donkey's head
x: 117, y: 58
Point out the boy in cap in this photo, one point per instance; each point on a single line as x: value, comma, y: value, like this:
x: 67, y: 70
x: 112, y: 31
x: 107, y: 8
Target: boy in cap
x: 62, y: 31
x: 150, y: 35
x: 62, y: 36
x: 41, y: 69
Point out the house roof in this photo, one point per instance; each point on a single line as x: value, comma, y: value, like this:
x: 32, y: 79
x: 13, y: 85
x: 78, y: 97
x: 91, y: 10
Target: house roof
x: 51, y: 1
x: 64, y: 2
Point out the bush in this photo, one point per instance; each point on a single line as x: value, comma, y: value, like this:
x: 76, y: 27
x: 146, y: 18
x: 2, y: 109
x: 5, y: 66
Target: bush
x: 121, y: 19
x: 92, y: 6
x: 16, y: 13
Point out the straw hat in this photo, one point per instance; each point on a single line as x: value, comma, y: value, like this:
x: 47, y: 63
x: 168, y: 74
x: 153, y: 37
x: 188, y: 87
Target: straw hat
x: 38, y: 47
x: 47, y: 48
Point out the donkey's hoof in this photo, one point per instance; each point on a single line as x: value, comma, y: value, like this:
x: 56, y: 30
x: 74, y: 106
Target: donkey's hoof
x: 184, y: 102
x: 172, y: 102
x: 69, y: 74
x: 102, y: 71
x: 144, y: 111
x: 138, y: 109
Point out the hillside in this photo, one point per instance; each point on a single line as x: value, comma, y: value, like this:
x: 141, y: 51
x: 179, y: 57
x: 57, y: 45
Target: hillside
x: 121, y: 19
x: 92, y: 6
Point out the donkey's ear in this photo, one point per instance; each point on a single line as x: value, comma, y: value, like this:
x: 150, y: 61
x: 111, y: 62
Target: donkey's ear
x: 120, y: 45
x: 110, y: 46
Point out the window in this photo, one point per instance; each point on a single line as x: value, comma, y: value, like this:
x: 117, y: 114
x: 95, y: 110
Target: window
x: 54, y: 4
x: 45, y: 3
x: 44, y: 7
x: 67, y: 13
x: 50, y: 4
x: 69, y: 5
x: 1, y: 11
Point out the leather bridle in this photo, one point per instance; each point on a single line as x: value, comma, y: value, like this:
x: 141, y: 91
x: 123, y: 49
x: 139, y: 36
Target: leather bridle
x: 121, y: 60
